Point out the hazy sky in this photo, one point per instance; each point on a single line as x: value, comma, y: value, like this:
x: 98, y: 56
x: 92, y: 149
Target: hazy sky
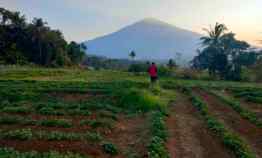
x: 86, y: 19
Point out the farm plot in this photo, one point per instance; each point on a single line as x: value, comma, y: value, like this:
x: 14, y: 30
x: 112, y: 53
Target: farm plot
x: 233, y: 120
x: 68, y: 120
x: 248, y: 99
x: 189, y: 136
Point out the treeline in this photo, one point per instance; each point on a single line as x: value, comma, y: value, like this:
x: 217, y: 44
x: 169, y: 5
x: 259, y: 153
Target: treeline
x: 98, y: 62
x: 223, y: 55
x: 35, y: 42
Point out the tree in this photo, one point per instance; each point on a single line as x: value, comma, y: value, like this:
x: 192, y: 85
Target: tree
x: 171, y: 63
x: 34, y: 42
x: 132, y: 55
x: 214, y: 35
x: 212, y: 54
x: 76, y: 52
x: 222, y: 54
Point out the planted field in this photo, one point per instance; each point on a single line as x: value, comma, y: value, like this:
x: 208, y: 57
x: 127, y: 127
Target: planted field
x: 49, y: 114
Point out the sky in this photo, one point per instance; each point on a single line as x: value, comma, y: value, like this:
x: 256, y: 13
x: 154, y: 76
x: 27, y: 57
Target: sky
x: 82, y: 20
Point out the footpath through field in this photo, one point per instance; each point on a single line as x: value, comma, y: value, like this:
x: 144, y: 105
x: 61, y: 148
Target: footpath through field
x: 233, y: 121
x: 189, y: 137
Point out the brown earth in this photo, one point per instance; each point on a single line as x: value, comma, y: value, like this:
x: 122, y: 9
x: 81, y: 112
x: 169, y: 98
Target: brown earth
x: 73, y: 97
x: 254, y: 107
x: 131, y: 134
x: 189, y: 136
x: 232, y: 120
x: 60, y: 146
x: 127, y: 134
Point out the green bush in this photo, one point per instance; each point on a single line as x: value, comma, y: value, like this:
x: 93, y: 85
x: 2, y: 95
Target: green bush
x: 11, y: 153
x: 156, y: 148
x: 8, y: 120
x: 110, y: 148
x: 20, y: 134
x: 23, y: 110
x: 98, y: 123
x: 57, y: 135
x: 56, y: 123
x: 49, y: 111
x: 138, y: 100
x: 254, y: 99
x: 93, y: 137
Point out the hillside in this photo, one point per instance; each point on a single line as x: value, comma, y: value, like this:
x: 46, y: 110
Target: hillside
x: 150, y: 39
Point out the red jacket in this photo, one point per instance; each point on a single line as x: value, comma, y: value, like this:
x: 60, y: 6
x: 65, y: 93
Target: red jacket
x: 152, y: 71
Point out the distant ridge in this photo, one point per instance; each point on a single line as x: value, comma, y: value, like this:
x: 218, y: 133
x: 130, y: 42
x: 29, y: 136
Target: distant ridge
x: 150, y: 38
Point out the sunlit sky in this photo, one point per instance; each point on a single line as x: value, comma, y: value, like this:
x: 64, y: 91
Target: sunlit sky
x: 82, y: 20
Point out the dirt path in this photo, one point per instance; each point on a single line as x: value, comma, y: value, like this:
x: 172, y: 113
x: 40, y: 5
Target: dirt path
x: 189, y: 137
x: 131, y: 136
x: 234, y: 121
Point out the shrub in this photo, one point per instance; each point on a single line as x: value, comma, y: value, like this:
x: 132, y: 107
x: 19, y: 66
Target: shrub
x: 138, y: 100
x: 56, y: 123
x: 49, y: 111
x: 11, y: 153
x: 110, y: 148
x: 9, y: 119
x: 102, y: 123
x: 20, y: 134
x: 157, y: 148
x: 93, y: 136
x: 56, y: 135
x: 21, y: 109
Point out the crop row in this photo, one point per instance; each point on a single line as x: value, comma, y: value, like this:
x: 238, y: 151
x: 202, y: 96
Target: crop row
x: 251, y: 95
x: 28, y: 134
x: 8, y: 119
x: 243, y: 112
x: 11, y: 153
x: 157, y: 148
x: 231, y: 140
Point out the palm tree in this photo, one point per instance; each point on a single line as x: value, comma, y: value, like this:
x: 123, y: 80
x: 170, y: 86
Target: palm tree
x: 132, y: 55
x: 39, y: 25
x: 214, y: 35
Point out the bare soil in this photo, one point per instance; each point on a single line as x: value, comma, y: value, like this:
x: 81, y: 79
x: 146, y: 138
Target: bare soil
x: 233, y: 121
x: 254, y: 107
x: 131, y: 134
x: 189, y: 136
x: 73, y: 97
x: 128, y: 134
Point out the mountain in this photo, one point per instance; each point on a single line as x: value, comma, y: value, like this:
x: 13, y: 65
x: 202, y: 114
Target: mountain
x: 150, y: 38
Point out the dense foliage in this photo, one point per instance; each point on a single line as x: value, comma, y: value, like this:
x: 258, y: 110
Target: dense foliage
x: 223, y: 55
x: 22, y: 42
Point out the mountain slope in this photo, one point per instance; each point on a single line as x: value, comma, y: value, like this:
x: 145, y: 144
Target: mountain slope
x: 150, y: 39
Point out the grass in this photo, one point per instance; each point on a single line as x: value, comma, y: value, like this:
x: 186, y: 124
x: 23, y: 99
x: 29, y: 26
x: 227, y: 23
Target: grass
x: 138, y: 100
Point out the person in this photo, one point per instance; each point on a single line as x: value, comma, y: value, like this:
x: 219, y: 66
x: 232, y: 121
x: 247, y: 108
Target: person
x: 153, y: 72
